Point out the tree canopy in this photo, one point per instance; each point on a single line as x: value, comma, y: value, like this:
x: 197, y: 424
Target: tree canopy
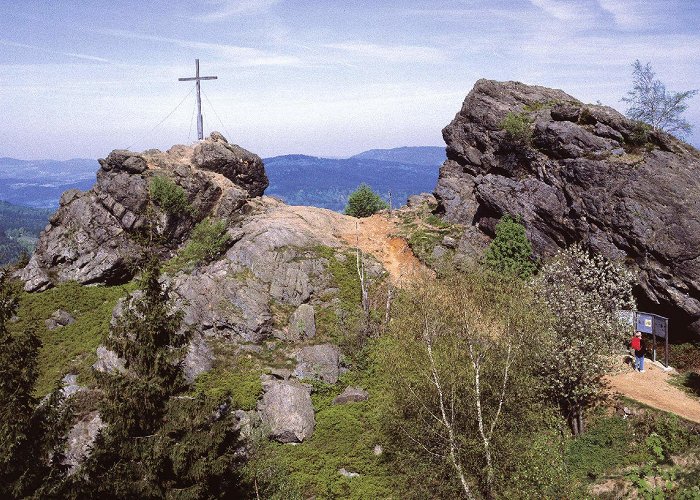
x: 364, y: 202
x: 650, y: 102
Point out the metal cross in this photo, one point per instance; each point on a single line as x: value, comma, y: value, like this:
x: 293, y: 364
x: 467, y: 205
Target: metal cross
x: 200, y: 127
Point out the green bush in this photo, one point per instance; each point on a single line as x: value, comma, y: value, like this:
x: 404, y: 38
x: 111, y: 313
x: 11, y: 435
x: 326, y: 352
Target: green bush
x: 208, y: 240
x: 510, y: 252
x: 685, y: 356
x: 169, y: 196
x: 518, y: 127
x: 605, y: 446
x: 364, y: 202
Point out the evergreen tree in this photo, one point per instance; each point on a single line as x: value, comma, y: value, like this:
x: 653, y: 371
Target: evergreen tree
x: 18, y: 372
x: 155, y: 445
x: 510, y: 252
x: 364, y: 202
x: 30, y: 433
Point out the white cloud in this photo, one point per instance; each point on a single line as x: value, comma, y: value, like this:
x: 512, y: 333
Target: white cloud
x: 237, y: 55
x: 85, y: 57
x: 228, y: 8
x: 392, y: 53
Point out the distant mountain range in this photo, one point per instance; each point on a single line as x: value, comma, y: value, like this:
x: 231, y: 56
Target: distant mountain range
x: 297, y: 179
x: 326, y: 182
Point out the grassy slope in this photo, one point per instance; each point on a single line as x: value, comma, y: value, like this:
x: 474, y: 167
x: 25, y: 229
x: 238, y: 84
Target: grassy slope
x: 68, y: 349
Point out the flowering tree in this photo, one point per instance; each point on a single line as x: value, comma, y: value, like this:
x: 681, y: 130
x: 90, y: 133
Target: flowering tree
x: 584, y: 293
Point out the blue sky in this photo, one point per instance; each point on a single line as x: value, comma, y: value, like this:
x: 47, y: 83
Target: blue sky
x: 78, y: 79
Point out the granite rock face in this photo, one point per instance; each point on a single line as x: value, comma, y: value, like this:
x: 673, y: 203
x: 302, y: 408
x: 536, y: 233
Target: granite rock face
x: 583, y: 173
x: 94, y: 236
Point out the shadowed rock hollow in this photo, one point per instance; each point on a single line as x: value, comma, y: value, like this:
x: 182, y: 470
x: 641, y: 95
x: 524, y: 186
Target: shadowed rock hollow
x: 580, y: 172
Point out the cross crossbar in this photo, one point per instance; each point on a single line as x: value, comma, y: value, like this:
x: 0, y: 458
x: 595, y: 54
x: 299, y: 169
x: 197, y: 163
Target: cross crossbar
x: 197, y: 78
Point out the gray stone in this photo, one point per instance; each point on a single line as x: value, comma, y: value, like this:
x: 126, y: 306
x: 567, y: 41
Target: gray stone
x: 417, y: 200
x: 108, y: 361
x: 199, y: 358
x: 302, y: 323
x: 287, y: 412
x: 378, y: 450
x: 58, y: 319
x: 347, y: 473
x: 449, y: 242
x: 70, y: 385
x: 582, y: 179
x: 320, y: 362
x: 80, y: 439
x: 351, y: 395
x: 281, y: 373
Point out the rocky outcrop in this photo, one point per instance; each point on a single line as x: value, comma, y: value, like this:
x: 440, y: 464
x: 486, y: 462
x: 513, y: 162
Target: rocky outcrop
x: 95, y: 236
x: 287, y: 412
x: 580, y: 173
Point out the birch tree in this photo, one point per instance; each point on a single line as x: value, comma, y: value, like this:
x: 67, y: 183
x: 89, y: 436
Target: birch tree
x: 459, y: 360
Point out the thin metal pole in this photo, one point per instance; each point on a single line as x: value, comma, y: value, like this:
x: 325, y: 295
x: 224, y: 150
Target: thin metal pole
x: 200, y: 125
x: 666, y: 343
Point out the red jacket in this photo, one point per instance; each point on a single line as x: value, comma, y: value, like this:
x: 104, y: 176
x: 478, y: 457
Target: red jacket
x: 636, y: 343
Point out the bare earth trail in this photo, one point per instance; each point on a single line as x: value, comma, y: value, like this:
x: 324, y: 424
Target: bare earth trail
x: 653, y: 389
x: 376, y: 235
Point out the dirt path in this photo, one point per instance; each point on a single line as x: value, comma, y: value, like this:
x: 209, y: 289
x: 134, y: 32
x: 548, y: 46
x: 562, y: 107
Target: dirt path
x: 375, y: 235
x: 653, y: 389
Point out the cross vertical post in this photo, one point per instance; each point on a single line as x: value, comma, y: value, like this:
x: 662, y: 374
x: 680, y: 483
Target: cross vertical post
x: 197, y: 79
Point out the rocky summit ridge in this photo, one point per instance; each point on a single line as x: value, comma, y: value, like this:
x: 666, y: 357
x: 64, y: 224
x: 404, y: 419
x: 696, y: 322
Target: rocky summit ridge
x: 580, y: 172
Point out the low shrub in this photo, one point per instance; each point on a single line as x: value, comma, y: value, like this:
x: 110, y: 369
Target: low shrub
x: 169, y: 196
x: 208, y: 240
x: 518, y: 127
x: 364, y: 202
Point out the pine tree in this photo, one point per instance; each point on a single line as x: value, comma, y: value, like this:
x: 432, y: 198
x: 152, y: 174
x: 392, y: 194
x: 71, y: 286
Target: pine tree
x: 18, y: 372
x: 158, y: 441
x: 123, y: 462
x: 364, y: 202
x: 510, y: 252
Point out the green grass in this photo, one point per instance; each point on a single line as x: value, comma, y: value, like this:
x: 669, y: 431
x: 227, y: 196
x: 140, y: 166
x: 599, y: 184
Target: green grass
x: 344, y: 437
x: 239, y: 378
x: 68, y: 349
x: 688, y: 382
x: 333, y: 322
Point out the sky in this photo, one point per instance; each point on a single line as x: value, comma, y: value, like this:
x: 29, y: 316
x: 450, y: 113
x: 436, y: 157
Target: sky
x: 319, y: 77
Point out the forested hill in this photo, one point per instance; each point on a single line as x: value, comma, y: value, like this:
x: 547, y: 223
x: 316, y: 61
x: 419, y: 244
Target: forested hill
x: 326, y: 182
x: 19, y: 229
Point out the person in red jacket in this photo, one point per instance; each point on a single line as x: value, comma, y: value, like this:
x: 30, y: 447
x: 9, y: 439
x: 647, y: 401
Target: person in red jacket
x: 637, y: 344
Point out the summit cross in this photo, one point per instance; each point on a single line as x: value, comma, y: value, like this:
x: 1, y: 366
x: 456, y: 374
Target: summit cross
x: 197, y: 78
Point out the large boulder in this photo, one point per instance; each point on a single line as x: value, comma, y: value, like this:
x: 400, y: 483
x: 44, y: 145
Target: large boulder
x: 320, y: 362
x: 585, y: 174
x: 287, y: 412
